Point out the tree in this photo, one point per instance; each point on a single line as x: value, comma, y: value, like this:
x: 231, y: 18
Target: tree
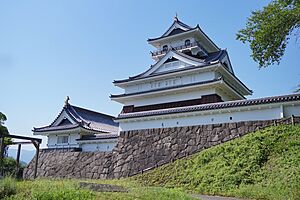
x: 4, y: 131
x: 268, y: 30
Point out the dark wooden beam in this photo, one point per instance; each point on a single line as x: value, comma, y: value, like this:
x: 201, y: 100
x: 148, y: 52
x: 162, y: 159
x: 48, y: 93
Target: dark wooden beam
x: 37, y: 146
x: 23, y: 137
x: 14, y: 143
x: 1, y: 155
x: 35, y: 141
x: 18, y: 159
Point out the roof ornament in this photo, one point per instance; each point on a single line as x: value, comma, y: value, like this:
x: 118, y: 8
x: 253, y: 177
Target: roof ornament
x: 176, y: 17
x: 67, y: 101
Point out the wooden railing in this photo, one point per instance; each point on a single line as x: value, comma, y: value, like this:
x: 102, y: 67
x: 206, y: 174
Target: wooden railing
x: 181, y: 47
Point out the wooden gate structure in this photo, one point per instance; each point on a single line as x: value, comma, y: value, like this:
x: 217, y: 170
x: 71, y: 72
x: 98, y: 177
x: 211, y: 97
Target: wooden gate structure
x: 28, y: 140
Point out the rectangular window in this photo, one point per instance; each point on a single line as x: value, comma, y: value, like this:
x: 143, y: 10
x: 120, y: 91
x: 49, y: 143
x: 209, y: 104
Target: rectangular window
x: 62, y: 139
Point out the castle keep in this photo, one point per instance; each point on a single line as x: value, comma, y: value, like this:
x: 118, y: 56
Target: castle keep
x: 192, y: 82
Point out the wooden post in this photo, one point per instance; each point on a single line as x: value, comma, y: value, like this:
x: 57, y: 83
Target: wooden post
x: 37, y: 146
x: 293, y: 120
x: 1, y: 155
x: 18, y: 159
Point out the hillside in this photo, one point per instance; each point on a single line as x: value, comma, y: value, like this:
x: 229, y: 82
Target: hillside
x: 26, y: 155
x: 261, y: 165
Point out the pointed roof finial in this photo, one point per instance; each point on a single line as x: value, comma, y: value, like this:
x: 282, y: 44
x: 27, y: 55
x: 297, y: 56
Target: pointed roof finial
x: 67, y: 101
x: 176, y: 17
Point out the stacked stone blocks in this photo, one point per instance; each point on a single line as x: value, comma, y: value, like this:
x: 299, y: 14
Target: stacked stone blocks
x: 141, y: 150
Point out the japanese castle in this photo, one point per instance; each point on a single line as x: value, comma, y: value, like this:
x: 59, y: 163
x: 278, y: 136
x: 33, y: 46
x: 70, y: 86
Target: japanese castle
x: 191, y: 82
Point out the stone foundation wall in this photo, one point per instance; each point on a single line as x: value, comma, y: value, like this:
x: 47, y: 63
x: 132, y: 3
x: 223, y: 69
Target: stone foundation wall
x: 68, y: 164
x: 141, y: 150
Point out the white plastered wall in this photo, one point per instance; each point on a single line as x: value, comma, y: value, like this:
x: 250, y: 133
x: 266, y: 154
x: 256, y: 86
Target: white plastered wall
x: 260, y: 113
x: 52, y: 141
x: 178, y: 80
x: 103, y: 145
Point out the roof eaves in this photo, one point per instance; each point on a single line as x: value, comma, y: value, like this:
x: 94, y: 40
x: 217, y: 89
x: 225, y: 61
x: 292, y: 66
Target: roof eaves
x: 141, y: 74
x: 198, y: 27
x: 236, y: 78
x: 163, y: 37
x: 167, y: 88
x: 54, y: 128
x: 168, y: 72
x: 213, y: 106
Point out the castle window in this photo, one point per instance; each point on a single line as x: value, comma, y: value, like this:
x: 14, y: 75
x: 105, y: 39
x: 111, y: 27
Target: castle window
x: 62, y: 139
x: 187, y: 43
x: 165, y: 48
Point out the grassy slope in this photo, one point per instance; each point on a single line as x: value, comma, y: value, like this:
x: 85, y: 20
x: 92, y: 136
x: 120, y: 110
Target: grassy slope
x: 51, y: 189
x: 260, y: 165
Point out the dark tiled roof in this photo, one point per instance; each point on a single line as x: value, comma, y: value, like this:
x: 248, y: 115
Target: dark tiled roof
x: 83, y: 118
x: 165, y: 36
x: 56, y: 128
x: 167, y: 88
x: 212, y: 57
x: 98, y: 137
x: 176, y: 31
x: 183, y: 24
x: 177, y: 21
x: 214, y: 106
x: 189, y: 29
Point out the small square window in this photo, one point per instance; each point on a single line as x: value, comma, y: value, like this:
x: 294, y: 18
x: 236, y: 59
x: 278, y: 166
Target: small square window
x: 62, y: 139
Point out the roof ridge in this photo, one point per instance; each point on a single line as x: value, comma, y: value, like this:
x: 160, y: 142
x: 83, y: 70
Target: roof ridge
x: 85, y: 109
x: 75, y: 112
x: 57, y: 117
x: 183, y: 24
x: 178, y: 22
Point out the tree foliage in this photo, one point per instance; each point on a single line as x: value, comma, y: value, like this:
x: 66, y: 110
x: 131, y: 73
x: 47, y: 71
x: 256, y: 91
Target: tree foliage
x: 268, y: 30
x: 4, y: 131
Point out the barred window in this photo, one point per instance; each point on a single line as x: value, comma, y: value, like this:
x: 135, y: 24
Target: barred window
x: 62, y: 139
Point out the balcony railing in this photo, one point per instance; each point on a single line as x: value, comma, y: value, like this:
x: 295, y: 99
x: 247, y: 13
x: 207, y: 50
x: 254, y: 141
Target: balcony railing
x: 181, y: 47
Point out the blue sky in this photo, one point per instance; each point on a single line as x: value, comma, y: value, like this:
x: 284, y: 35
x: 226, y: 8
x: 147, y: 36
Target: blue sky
x: 51, y: 49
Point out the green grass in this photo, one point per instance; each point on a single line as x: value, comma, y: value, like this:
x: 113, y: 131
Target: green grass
x: 7, y: 187
x: 55, y: 189
x: 260, y: 165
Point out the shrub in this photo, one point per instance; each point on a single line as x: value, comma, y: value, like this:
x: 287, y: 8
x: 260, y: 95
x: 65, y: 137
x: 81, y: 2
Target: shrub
x: 7, y: 187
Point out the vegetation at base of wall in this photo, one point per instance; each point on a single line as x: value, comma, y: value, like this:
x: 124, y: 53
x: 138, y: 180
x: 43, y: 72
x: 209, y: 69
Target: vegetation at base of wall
x: 261, y: 165
x: 7, y: 187
x: 55, y: 189
x: 10, y: 165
